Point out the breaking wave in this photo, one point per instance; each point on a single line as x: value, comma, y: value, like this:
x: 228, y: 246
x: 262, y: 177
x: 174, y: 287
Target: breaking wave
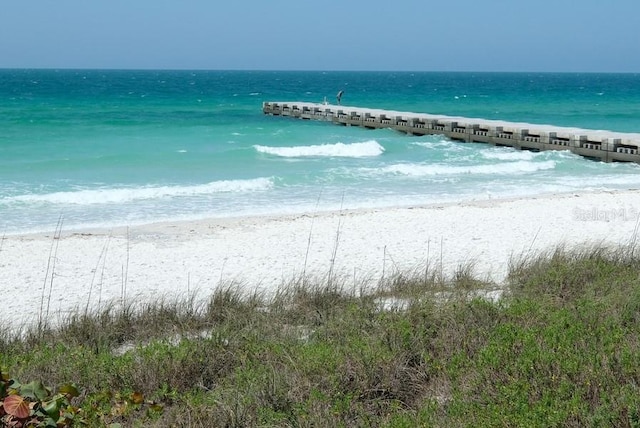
x: 423, y: 170
x: 125, y: 194
x: 354, y: 150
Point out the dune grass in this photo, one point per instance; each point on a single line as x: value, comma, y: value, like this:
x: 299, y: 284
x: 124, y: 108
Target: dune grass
x: 559, y: 348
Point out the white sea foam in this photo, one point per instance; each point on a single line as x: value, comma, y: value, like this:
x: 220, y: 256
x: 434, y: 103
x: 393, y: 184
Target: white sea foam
x: 354, y: 150
x: 439, y: 145
x: 423, y: 170
x: 124, y: 195
x: 509, y: 155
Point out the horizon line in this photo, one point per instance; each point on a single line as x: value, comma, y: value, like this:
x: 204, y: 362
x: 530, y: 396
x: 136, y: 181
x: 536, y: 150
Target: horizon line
x: 275, y: 70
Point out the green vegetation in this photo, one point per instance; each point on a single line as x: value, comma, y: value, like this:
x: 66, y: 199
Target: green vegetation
x: 559, y: 348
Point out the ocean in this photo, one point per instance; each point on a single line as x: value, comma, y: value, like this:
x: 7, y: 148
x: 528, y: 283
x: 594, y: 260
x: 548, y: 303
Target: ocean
x: 106, y: 148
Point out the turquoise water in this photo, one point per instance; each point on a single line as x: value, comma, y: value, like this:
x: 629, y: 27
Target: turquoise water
x: 107, y: 148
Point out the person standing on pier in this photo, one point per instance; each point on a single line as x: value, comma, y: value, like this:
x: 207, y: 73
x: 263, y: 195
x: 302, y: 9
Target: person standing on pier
x: 339, y: 96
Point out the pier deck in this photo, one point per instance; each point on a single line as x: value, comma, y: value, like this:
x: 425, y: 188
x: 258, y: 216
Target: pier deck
x: 606, y: 146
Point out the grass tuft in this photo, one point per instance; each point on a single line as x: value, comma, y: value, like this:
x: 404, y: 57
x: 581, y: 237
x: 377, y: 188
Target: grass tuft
x: 561, y: 347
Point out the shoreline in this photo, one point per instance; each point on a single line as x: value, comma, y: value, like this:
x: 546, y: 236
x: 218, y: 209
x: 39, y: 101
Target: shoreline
x: 91, y: 267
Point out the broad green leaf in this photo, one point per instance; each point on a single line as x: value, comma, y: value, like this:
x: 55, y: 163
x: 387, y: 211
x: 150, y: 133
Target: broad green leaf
x: 52, y: 408
x: 69, y: 390
x: 34, y: 390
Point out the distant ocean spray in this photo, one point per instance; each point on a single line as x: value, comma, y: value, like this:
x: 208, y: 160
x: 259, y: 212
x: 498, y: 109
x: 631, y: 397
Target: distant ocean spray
x: 105, y: 148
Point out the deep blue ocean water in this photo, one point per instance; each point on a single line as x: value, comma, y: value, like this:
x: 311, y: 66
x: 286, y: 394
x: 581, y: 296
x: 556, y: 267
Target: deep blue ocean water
x: 106, y: 148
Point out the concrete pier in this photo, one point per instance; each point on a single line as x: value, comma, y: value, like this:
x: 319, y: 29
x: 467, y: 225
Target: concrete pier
x: 605, y: 146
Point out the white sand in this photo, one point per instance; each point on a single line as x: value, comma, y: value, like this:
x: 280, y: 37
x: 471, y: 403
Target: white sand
x: 168, y: 260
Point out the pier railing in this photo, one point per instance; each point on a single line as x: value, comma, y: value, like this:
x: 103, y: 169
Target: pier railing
x: 605, y: 146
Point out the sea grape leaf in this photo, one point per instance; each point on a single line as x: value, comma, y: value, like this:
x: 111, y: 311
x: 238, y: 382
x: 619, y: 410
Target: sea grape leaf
x: 52, y: 408
x: 35, y: 390
x: 18, y: 406
x: 14, y: 384
x: 69, y: 390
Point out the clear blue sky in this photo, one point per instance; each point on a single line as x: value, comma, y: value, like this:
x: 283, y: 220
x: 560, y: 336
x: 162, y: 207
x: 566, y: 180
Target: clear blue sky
x: 413, y: 35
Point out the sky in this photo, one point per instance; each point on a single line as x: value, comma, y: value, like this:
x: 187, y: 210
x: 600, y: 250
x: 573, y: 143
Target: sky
x: 394, y: 35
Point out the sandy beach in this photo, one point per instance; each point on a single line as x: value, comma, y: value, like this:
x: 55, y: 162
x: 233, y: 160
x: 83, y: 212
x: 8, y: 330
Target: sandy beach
x: 167, y: 260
